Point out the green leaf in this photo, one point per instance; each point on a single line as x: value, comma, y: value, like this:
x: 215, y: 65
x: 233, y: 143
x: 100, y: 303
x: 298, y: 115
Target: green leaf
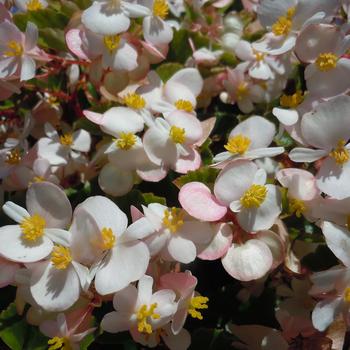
x: 52, y: 39
x: 205, y: 175
x: 167, y: 70
x: 206, y: 153
x: 152, y: 198
x: 36, y: 340
x: 180, y: 48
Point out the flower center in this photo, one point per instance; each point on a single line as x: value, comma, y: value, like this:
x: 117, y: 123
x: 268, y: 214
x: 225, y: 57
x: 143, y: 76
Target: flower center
x: 296, y: 206
x: 126, y: 141
x: 340, y: 153
x: 59, y: 343
x: 197, y: 303
x: 238, y: 144
x: 184, y: 105
x: 38, y: 179
x: 34, y: 5
x: 292, y: 101
x: 326, y: 61
x: 66, y: 139
x: 145, y: 312
x: 259, y: 56
x: 160, y: 8
x: 111, y: 42
x: 15, y: 49
x: 33, y: 227
x: 13, y: 157
x: 177, y: 134
x: 284, y: 24
x: 254, y: 196
x: 134, y: 101
x: 61, y: 257
x: 347, y: 295
x: 242, y: 91
x: 108, y: 238
x: 173, y: 219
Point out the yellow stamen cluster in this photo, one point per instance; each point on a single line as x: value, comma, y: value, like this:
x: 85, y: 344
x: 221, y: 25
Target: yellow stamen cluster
x: 254, y: 196
x: 34, y: 5
x: 326, y: 61
x: 61, y: 257
x: 14, y: 49
x: 197, y: 303
x: 296, y: 206
x: 160, y: 8
x: 340, y: 153
x: 238, y: 144
x: 111, y: 42
x: 184, y: 105
x: 259, y: 56
x: 59, y: 343
x: 347, y: 295
x: 134, y: 100
x: 292, y: 101
x: 126, y: 141
x: 66, y: 139
x: 177, y: 134
x: 33, y: 227
x: 173, y: 219
x: 144, y: 312
x: 108, y: 238
x: 284, y: 23
x: 13, y: 157
x: 242, y: 91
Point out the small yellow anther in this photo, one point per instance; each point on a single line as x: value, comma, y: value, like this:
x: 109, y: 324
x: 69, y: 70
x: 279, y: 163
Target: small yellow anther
x: 61, y: 257
x: 177, y: 134
x: 254, y: 196
x: 160, y: 8
x: 33, y: 227
x: 238, y: 144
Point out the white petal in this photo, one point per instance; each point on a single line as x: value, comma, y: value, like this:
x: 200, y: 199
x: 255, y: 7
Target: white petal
x: 286, y: 116
x: 28, y: 68
x: 81, y: 141
x: 301, y: 155
x: 31, y: 36
x: 15, y: 212
x: 59, y: 236
x: 181, y: 249
x: 325, y: 312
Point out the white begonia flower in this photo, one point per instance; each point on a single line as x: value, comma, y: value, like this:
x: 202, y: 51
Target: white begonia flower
x: 259, y: 65
x: 101, y: 239
x: 178, y: 93
x: 49, y: 213
x: 250, y: 139
x: 174, y: 236
x: 59, y: 149
x: 110, y: 17
x: 31, y: 5
x: 169, y: 141
x: 241, y: 186
x: 18, y: 50
x: 155, y: 30
x: 286, y: 18
x: 241, y: 90
x: 56, y: 283
x: 139, y: 309
x: 323, y: 47
x: 327, y: 128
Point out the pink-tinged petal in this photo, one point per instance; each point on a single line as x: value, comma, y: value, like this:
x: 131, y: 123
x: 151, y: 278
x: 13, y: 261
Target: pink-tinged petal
x: 328, y: 84
x: 248, y: 262
x: 54, y: 289
x: 234, y: 180
x: 9, y: 31
x: 324, y: 132
x: 183, y: 283
x: 274, y: 242
x: 275, y: 45
x: 28, y: 68
x: 264, y: 152
x: 325, y: 312
x: 81, y: 140
x: 136, y: 214
x: 263, y: 217
x: 190, y: 78
x: 198, y: 201
x: 121, y: 119
x: 31, y: 36
x: 106, y: 20
x: 114, y: 181
x: 156, y: 31
x: 190, y: 162
x: 286, y: 116
x: 21, y: 250
x: 207, y: 127
x: 152, y: 173
x: 75, y: 44
x: 7, y: 272
x: 115, y: 322
x: 308, y: 155
x: 126, y: 263
x: 125, y: 299
x: 181, y: 249
x: 333, y: 179
x: 94, y: 117
x: 50, y: 202
x: 219, y: 244
x: 338, y: 241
